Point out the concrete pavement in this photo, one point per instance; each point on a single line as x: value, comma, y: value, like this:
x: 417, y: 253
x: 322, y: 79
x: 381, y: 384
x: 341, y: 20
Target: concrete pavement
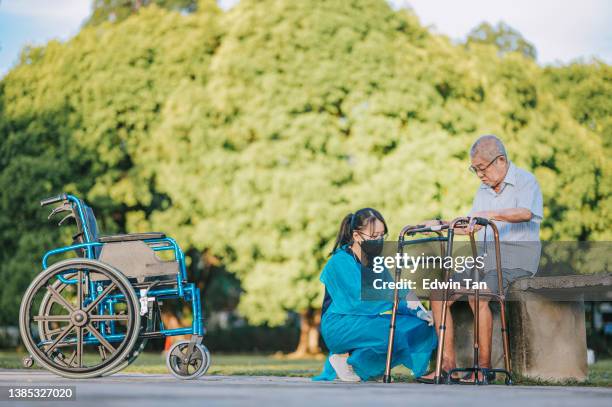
x: 163, y: 390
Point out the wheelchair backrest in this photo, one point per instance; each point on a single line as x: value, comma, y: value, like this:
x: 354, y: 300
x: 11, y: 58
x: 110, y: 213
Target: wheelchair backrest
x: 87, y: 228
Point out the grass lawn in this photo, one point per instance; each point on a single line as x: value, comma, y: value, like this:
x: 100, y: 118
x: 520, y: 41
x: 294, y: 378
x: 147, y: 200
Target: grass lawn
x: 222, y: 364
x: 237, y: 364
x: 600, y: 374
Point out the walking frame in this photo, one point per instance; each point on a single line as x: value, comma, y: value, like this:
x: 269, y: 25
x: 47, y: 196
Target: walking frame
x: 469, y: 223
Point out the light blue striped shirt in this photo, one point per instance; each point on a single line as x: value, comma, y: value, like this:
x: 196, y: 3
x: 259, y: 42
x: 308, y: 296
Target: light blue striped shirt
x: 520, y: 242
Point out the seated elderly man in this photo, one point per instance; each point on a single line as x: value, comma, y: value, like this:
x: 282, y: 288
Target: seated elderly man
x: 511, y: 197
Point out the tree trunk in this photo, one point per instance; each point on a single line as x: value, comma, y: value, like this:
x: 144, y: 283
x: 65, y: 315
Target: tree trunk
x: 310, y: 319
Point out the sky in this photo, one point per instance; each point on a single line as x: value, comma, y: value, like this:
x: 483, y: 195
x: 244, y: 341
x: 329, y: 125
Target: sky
x: 561, y: 30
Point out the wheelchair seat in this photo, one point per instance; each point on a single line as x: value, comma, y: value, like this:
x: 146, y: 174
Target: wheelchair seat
x: 137, y: 261
x: 129, y: 237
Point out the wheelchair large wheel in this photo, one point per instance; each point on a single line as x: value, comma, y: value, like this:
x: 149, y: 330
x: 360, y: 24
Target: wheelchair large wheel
x: 81, y: 329
x: 47, y: 330
x: 187, y: 365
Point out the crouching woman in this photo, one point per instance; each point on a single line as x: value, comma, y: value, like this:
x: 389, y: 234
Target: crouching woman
x: 356, y: 332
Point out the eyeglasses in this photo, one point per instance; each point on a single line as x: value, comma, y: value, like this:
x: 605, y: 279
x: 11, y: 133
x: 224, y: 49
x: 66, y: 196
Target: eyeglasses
x: 477, y: 170
x: 375, y: 236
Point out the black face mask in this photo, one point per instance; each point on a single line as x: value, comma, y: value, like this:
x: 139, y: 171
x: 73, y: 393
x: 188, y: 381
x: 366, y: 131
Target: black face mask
x: 373, y: 247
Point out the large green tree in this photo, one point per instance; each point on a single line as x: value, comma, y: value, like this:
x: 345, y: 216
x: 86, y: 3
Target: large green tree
x: 118, y: 10
x: 315, y: 109
x: 248, y: 135
x: 503, y: 37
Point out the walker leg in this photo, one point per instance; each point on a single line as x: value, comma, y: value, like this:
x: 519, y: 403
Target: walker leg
x: 442, y: 334
x: 476, y: 336
x: 441, y: 339
x: 506, y: 343
x: 476, y: 313
x: 387, y: 375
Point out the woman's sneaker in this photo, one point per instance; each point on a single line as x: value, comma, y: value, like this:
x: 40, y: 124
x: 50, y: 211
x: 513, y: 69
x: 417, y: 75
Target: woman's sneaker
x: 344, y: 371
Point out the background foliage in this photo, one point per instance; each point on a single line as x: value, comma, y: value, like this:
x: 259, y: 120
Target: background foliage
x: 248, y: 134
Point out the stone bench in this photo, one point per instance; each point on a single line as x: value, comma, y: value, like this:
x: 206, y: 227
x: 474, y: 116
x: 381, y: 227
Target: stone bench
x: 546, y: 325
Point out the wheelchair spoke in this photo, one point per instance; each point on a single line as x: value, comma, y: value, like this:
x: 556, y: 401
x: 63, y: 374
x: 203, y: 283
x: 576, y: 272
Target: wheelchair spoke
x: 117, y: 317
x: 53, y: 331
x: 71, y: 360
x: 99, y: 298
x: 79, y: 346
x: 59, y: 338
x: 59, y: 358
x: 52, y: 318
x: 102, y: 340
x: 80, y: 290
x: 102, y: 351
x: 60, y: 299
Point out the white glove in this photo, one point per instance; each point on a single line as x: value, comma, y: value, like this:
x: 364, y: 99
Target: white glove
x: 414, y: 303
x: 426, y: 316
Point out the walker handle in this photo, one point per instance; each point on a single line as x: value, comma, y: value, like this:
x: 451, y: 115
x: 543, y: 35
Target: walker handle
x: 481, y: 221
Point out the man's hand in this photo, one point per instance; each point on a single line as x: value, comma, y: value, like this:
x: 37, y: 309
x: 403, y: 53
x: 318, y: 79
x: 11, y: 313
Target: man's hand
x: 483, y: 214
x: 478, y: 214
x: 510, y: 215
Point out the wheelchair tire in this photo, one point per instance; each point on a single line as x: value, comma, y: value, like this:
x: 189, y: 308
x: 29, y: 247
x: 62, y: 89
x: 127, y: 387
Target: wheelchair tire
x: 46, y: 332
x: 53, y: 303
x: 185, y: 366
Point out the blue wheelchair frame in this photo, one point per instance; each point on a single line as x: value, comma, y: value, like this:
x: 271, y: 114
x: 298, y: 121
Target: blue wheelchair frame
x: 184, y: 290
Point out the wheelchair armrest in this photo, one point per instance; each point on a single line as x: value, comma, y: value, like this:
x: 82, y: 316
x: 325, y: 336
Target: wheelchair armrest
x: 129, y: 237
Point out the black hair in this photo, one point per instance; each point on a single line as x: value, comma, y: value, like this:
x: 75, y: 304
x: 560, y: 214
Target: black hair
x: 353, y: 221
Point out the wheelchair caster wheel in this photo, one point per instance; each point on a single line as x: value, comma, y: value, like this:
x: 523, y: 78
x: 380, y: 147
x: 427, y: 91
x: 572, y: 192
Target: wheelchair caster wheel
x: 27, y: 361
x: 186, y: 365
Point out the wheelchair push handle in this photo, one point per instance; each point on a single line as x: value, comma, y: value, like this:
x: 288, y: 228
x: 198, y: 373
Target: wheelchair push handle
x: 53, y: 199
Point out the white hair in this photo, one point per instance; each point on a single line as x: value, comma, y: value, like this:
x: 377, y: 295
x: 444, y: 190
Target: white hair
x: 488, y: 146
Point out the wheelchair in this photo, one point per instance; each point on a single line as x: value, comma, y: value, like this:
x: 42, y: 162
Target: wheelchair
x: 91, y: 315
